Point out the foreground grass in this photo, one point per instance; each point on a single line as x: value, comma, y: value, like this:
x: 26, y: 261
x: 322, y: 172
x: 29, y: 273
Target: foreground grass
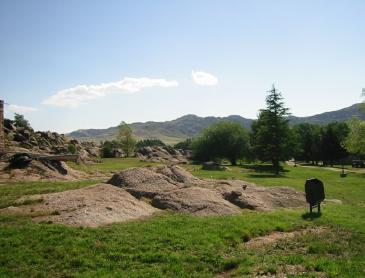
x: 172, y: 245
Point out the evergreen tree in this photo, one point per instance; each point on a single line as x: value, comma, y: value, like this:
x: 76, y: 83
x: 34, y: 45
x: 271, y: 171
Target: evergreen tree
x: 271, y: 137
x: 125, y: 138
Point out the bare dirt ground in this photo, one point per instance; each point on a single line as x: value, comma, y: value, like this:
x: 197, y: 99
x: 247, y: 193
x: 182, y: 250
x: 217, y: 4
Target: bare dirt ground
x: 274, y: 237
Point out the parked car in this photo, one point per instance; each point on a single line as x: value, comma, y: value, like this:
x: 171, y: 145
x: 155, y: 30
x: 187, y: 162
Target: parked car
x: 358, y: 164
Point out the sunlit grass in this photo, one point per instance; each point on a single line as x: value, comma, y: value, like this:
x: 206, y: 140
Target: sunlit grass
x: 173, y: 245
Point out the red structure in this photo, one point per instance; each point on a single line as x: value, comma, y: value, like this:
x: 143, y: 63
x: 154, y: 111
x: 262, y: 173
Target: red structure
x: 2, y: 137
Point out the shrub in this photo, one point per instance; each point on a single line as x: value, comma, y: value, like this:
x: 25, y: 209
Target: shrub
x: 71, y: 148
x: 150, y: 143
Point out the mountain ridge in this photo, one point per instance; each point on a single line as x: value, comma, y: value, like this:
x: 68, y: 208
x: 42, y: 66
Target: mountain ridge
x: 191, y: 125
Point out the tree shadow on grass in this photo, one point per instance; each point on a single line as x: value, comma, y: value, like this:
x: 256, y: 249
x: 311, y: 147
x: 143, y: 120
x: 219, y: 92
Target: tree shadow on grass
x: 311, y: 216
x: 262, y: 168
x: 263, y: 176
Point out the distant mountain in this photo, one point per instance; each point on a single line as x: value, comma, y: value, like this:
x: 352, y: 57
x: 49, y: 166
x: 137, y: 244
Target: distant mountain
x: 170, y: 131
x: 333, y: 116
x: 191, y: 125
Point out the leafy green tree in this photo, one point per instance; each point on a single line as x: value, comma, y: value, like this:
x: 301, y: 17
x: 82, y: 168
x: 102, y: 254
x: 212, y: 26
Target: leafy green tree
x: 355, y: 141
x: 222, y: 140
x: 125, y: 138
x: 333, y: 142
x: 308, y: 138
x: 271, y: 138
x: 20, y: 121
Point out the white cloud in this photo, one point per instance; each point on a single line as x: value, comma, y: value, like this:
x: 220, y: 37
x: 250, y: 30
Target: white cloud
x: 73, y: 97
x: 204, y: 79
x: 21, y: 109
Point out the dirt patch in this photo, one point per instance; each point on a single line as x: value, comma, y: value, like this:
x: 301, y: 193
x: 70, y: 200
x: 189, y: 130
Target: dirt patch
x: 90, y: 206
x: 274, y: 237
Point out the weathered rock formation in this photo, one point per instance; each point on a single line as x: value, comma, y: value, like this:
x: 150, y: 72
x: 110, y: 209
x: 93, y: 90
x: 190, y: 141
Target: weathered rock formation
x: 25, y: 166
x: 140, y: 192
x: 162, y: 154
x: 171, y: 187
x: 23, y: 139
x: 90, y: 206
x: 195, y: 200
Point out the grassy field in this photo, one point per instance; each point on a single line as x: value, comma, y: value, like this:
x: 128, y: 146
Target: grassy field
x: 172, y: 245
x: 108, y: 165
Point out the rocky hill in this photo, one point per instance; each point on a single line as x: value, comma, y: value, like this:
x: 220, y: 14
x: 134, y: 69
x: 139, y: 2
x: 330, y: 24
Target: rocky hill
x: 191, y: 125
x: 25, y: 139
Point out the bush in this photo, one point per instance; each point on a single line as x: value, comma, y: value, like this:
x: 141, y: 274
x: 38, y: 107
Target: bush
x: 71, y: 148
x: 107, y: 149
x: 150, y: 143
x: 184, y: 145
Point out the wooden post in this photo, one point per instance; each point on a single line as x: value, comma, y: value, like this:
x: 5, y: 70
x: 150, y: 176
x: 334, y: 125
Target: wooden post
x: 2, y: 136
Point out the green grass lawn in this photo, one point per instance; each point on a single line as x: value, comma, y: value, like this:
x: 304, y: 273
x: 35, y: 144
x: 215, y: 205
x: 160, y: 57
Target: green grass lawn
x: 173, y: 245
x: 107, y: 165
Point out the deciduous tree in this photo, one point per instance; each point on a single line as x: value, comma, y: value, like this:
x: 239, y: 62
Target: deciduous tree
x: 126, y: 139
x: 221, y: 140
x: 355, y: 141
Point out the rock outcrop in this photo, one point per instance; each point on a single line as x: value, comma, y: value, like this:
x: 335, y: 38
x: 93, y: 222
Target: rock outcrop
x: 140, y: 192
x: 162, y: 154
x: 263, y: 198
x: 25, y: 166
x: 90, y: 206
x: 171, y: 187
x: 23, y: 139
x: 195, y: 200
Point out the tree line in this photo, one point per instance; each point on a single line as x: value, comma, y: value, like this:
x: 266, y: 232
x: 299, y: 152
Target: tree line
x: 273, y: 140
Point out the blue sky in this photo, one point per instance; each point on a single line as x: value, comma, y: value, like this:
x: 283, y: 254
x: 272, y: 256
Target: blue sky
x: 158, y: 60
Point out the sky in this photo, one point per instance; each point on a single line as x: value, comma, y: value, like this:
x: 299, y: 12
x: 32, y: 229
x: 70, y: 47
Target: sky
x: 69, y: 65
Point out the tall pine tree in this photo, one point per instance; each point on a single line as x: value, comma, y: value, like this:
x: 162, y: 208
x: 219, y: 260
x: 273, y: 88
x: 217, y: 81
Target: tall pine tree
x: 271, y: 136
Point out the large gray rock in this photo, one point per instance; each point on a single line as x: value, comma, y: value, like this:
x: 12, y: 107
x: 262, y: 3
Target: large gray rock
x: 143, y: 182
x: 172, y: 187
x: 161, y: 154
x: 263, y: 198
x: 195, y: 200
